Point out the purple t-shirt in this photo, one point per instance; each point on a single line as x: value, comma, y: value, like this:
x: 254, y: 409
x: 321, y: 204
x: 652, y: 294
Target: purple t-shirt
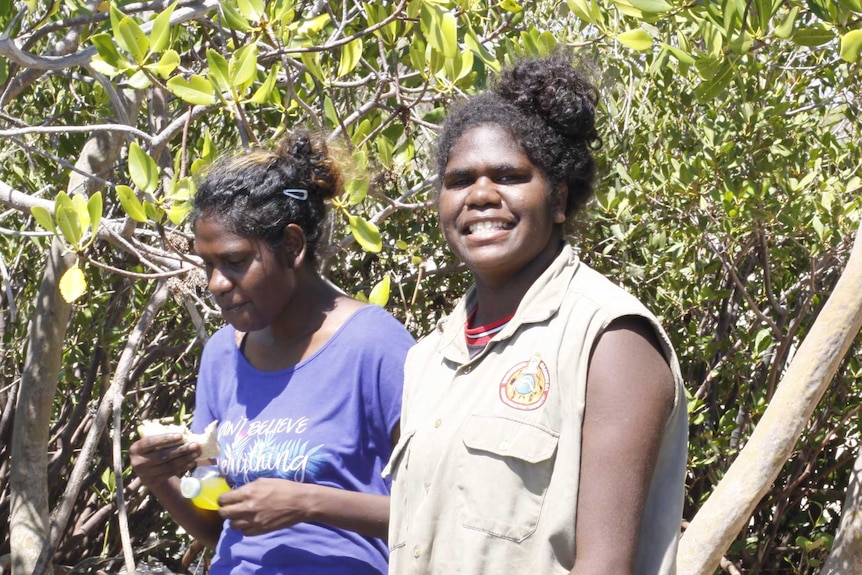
x: 327, y: 420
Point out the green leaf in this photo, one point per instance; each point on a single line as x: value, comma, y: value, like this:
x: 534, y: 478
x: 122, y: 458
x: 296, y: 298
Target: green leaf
x: 79, y: 204
x: 233, y: 17
x: 262, y: 94
x: 854, y: 5
x: 43, y: 218
x: 583, y: 9
x: 197, y: 90
x: 131, y: 204
x: 253, y: 10
x: 380, y: 293
x: 139, y: 80
x: 133, y: 40
x: 166, y: 64
x: 651, y: 6
x: 356, y: 189
x: 851, y: 45
x: 472, y: 42
x: 102, y: 67
x: 178, y: 212
x: 511, y: 6
x: 785, y: 29
x: 154, y: 212
x: 94, y: 209
x: 143, y: 169
x: 160, y: 35
x: 683, y: 57
x: 219, y: 71
x: 70, y: 226
x: 636, y: 39
x: 365, y: 233
x: 441, y: 29
x: 350, y: 54
x: 243, y: 66
x: 73, y: 284
x: 312, y: 64
x: 104, y: 44
x: 812, y: 36
x: 715, y: 85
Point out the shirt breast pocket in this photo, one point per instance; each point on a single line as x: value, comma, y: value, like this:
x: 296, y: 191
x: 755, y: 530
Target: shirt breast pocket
x: 504, y: 475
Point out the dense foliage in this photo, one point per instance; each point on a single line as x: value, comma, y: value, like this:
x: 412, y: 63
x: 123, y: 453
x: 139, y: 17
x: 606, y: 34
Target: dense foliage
x: 728, y: 198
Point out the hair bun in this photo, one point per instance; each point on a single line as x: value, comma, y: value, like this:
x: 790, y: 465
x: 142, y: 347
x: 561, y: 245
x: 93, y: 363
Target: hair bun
x: 554, y: 90
x: 306, y: 148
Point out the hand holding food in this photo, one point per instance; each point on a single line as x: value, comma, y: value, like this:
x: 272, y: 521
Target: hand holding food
x: 207, y: 440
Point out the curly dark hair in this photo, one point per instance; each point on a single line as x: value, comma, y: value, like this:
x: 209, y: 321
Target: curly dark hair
x: 549, y: 108
x: 246, y: 191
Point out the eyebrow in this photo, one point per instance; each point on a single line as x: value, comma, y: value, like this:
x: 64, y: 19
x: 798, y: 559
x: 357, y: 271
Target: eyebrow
x: 503, y: 167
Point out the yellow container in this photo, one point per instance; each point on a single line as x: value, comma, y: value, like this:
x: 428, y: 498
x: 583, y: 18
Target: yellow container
x: 204, y: 486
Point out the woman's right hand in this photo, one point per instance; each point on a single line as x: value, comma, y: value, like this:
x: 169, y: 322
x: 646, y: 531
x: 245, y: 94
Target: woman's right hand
x: 157, y: 458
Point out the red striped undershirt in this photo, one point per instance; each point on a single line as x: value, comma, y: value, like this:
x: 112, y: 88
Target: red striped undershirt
x: 479, y: 335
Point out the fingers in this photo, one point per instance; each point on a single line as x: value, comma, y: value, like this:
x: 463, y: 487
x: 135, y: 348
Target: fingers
x: 158, y: 457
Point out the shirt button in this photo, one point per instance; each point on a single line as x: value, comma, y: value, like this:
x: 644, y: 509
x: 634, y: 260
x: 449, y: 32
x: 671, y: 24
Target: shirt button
x: 416, y: 552
x: 504, y: 446
x: 427, y: 488
x: 468, y: 369
x: 437, y: 423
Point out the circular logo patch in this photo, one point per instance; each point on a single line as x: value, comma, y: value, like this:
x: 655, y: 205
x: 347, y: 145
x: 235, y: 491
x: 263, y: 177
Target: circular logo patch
x: 526, y: 385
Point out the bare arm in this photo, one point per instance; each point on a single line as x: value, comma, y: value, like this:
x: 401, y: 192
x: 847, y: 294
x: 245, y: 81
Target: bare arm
x: 630, y: 392
x: 159, y: 460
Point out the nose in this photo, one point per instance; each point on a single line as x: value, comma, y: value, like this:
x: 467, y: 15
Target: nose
x: 483, y: 192
x: 218, y: 282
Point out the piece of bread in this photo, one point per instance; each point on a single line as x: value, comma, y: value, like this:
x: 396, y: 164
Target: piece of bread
x: 207, y: 440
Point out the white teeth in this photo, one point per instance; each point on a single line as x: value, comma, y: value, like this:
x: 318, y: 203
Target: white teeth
x: 486, y: 226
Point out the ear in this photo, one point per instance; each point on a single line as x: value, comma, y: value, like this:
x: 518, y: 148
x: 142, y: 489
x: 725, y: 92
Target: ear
x: 293, y: 247
x: 559, y: 199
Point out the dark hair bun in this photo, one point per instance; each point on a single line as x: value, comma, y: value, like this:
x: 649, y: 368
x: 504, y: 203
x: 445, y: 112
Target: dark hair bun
x: 554, y: 90
x: 311, y: 153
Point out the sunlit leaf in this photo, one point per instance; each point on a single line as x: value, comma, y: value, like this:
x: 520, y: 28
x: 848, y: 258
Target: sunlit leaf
x: 651, y: 6
x: 160, y: 35
x: 350, y: 55
x: 143, y: 169
x: 94, y: 208
x: 263, y: 93
x: 813, y: 36
x: 253, y: 10
x: 233, y: 17
x: 166, y: 64
x: 636, y: 39
x: 851, y: 45
x: 73, y: 284
x: 43, y: 217
x: 366, y: 234
x: 131, y: 204
x: 380, y: 292
x: 785, y: 29
x: 197, y: 90
x: 133, y: 40
x: 219, y: 71
x: 70, y: 225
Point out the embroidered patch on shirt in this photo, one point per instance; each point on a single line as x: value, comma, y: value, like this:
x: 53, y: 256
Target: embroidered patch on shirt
x: 526, y: 385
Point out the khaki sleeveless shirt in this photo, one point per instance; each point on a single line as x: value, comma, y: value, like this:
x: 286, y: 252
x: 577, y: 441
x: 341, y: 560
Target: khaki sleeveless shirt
x: 485, y: 475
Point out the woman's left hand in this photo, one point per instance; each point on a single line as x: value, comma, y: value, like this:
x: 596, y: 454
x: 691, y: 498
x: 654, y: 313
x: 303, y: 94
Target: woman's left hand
x: 265, y: 504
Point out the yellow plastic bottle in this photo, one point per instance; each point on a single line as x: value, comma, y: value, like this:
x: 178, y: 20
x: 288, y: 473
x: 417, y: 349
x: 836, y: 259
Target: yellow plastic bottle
x: 203, y: 486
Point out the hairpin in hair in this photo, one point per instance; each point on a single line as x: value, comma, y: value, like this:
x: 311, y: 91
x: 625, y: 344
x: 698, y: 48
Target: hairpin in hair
x: 295, y: 193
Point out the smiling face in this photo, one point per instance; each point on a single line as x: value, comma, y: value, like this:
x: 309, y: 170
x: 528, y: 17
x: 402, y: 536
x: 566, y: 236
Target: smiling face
x: 496, y: 208
x: 249, y: 283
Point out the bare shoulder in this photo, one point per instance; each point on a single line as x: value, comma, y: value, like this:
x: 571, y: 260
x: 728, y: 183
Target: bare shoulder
x: 628, y: 366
